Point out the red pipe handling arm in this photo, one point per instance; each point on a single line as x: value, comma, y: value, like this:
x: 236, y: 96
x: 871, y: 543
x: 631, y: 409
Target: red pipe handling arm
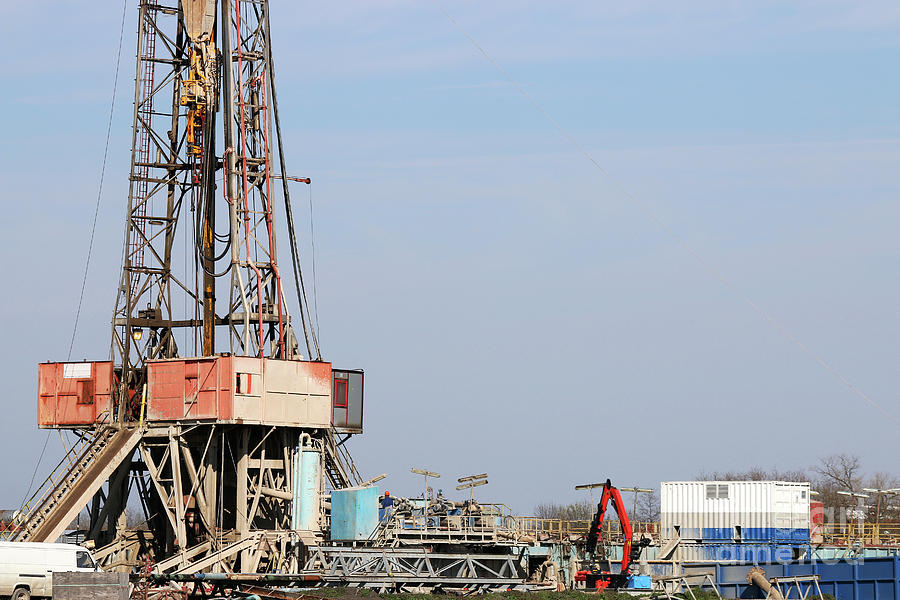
x: 596, y: 532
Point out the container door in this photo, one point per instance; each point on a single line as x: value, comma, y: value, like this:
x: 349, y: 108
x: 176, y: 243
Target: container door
x: 783, y: 508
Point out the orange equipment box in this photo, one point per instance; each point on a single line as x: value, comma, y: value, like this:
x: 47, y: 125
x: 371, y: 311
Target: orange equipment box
x: 74, y: 394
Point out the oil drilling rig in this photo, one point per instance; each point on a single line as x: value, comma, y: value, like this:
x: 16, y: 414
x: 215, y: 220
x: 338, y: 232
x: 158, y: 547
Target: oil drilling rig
x: 212, y: 414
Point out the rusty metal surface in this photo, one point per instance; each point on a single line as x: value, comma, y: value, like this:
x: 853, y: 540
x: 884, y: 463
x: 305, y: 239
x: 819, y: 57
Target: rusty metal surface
x: 229, y: 388
x: 199, y: 17
x: 73, y: 394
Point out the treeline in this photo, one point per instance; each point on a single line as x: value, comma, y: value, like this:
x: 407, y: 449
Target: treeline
x: 644, y: 508
x: 831, y: 474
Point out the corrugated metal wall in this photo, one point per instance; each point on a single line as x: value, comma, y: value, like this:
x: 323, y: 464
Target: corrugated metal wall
x: 745, y: 511
x: 870, y: 579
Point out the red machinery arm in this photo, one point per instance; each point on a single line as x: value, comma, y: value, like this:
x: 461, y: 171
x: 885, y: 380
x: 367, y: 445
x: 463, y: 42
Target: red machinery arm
x: 596, y: 532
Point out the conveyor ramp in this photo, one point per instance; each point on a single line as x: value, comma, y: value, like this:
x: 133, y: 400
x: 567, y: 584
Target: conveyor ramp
x: 79, y: 476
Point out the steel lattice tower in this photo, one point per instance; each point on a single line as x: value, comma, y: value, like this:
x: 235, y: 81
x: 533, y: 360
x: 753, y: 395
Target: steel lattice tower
x: 208, y: 415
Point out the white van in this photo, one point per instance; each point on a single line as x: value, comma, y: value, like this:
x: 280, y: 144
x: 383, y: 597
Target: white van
x: 26, y: 567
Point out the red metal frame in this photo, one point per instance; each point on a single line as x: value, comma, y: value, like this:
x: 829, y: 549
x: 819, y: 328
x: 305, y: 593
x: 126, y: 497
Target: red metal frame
x: 341, y: 400
x: 603, y: 579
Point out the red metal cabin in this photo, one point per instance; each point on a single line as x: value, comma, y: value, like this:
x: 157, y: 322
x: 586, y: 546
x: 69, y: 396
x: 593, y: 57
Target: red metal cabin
x: 74, y: 393
x: 231, y: 389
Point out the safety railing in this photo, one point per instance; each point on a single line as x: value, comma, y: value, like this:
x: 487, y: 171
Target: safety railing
x: 563, y: 529
x: 493, y: 522
x: 461, y: 528
x: 496, y: 522
x: 72, y: 461
x: 849, y: 533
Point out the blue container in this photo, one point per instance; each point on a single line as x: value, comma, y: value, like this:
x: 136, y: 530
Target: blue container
x: 639, y: 582
x: 869, y: 579
x: 718, y: 533
x: 354, y: 513
x: 775, y: 534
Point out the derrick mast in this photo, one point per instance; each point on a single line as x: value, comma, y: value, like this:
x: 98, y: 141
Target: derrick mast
x: 207, y: 415
x: 183, y: 83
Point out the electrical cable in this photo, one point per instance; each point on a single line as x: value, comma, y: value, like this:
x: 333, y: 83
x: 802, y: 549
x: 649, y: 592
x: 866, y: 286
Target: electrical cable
x: 87, y: 263
x: 198, y: 246
x: 308, y: 333
x: 668, y: 230
x: 312, y: 242
x: 201, y: 257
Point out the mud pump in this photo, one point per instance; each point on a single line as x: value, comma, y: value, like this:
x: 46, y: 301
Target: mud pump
x: 592, y: 575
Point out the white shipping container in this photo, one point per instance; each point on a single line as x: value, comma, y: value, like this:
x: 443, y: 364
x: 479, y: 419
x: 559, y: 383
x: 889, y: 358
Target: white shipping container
x: 741, y: 511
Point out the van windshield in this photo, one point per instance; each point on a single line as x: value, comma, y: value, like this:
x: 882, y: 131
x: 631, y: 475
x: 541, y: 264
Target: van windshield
x: 83, y: 560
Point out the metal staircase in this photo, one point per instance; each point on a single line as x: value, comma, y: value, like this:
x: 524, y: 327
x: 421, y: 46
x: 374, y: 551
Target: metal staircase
x: 72, y: 484
x: 339, y: 465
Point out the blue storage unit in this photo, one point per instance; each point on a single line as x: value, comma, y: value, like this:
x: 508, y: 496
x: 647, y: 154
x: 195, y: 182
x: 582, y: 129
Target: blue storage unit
x: 789, y: 535
x: 735, y: 511
x: 639, y: 582
x: 868, y: 579
x: 731, y: 552
x: 717, y: 533
x: 798, y: 535
x: 354, y: 513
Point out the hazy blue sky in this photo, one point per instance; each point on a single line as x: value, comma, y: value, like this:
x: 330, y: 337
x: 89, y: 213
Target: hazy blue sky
x: 514, y: 313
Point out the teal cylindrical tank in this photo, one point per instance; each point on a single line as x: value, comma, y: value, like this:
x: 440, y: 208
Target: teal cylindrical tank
x: 306, y: 491
x: 295, y: 478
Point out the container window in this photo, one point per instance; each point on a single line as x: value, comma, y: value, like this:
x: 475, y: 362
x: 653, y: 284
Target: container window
x: 716, y: 491
x: 242, y: 383
x: 340, y: 393
x: 803, y: 494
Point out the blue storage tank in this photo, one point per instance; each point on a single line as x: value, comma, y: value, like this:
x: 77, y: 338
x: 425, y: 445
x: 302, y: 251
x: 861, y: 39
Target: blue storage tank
x: 639, y: 582
x: 354, y: 513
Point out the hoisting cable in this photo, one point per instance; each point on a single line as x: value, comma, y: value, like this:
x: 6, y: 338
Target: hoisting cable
x: 308, y: 331
x: 207, y: 168
x: 312, y: 243
x: 198, y: 246
x: 668, y: 230
x: 87, y: 262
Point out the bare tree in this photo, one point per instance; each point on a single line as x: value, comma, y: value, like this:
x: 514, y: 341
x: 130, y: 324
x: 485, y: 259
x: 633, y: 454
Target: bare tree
x: 576, y: 511
x: 886, y: 506
x: 832, y: 474
x: 135, y: 519
x: 647, y: 507
x: 840, y: 469
x: 755, y: 474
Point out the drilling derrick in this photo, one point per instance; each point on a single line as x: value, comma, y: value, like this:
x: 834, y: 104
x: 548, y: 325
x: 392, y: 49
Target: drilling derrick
x: 209, y: 416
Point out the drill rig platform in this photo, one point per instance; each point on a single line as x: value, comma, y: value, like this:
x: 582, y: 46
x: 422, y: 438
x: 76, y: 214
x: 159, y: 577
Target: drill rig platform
x: 224, y: 425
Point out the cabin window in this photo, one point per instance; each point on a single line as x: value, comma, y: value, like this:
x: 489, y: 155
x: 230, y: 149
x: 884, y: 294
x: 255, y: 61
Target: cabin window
x: 340, y: 393
x: 85, y: 392
x: 83, y: 560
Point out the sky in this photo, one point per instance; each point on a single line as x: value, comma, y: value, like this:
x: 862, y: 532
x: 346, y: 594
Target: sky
x: 515, y: 311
